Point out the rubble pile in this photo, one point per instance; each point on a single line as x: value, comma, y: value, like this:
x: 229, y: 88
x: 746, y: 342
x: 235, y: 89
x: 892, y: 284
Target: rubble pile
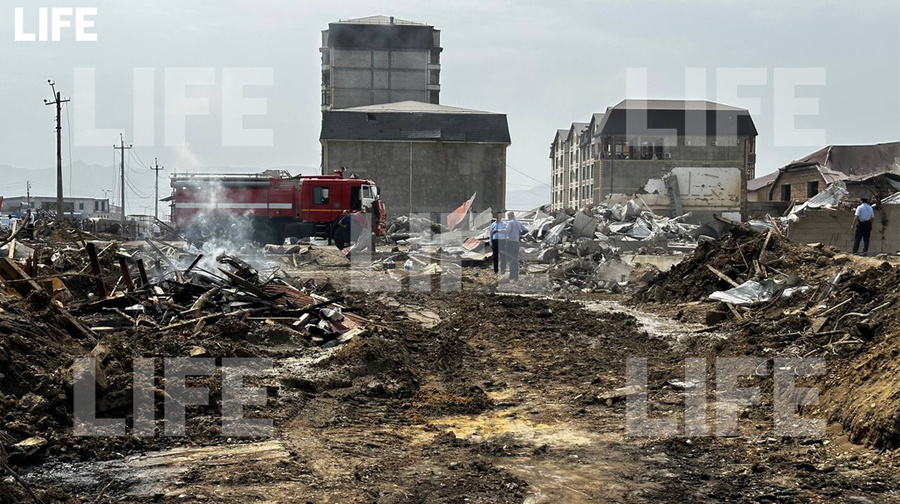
x: 583, y: 248
x: 618, y: 224
x: 115, y: 302
x: 738, y: 257
x: 804, y: 301
x: 574, y: 250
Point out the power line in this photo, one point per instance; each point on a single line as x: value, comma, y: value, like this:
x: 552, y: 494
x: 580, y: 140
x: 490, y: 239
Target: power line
x: 528, y: 176
x: 135, y: 190
x: 139, y: 160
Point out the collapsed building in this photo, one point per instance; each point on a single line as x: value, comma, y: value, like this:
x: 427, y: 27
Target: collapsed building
x: 822, y: 190
x: 382, y: 119
x: 867, y: 171
x: 680, y: 156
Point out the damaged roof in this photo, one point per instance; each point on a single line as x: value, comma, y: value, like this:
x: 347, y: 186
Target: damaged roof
x: 852, y: 163
x: 414, y: 121
x: 683, y: 117
x: 761, y: 182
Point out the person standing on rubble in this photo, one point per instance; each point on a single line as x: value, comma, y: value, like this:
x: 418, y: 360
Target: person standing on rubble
x: 862, y: 221
x: 29, y: 225
x: 497, y: 236
x: 514, y: 231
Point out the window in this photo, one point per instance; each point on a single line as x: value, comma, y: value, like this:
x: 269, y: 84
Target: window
x: 812, y: 188
x: 81, y: 206
x: 320, y: 195
x: 786, y: 192
x: 355, y: 199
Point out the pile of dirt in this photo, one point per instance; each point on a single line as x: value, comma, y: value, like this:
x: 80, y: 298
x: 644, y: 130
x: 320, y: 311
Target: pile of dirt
x: 734, y: 256
x: 849, y: 315
x: 369, y: 367
x: 37, y: 378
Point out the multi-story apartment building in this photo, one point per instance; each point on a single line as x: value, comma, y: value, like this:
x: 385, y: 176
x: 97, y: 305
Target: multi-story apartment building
x: 637, y: 145
x: 568, y: 174
x: 379, y: 59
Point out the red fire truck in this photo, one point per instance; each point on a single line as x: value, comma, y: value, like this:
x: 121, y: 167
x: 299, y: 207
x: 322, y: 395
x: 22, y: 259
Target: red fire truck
x: 271, y: 206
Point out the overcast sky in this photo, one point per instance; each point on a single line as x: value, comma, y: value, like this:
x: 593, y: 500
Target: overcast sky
x: 544, y: 64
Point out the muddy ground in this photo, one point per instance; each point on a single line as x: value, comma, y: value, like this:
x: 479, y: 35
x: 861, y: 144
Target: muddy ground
x: 502, y: 401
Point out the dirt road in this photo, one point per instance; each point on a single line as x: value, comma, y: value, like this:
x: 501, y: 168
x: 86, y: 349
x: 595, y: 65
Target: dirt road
x: 482, y: 398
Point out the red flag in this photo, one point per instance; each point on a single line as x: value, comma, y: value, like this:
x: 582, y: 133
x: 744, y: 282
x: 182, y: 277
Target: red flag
x: 459, y: 214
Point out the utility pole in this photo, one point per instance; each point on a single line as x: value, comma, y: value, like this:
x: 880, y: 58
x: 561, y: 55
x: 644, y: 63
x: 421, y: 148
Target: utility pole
x: 156, y: 168
x: 58, y: 101
x: 123, y: 148
x: 28, y: 193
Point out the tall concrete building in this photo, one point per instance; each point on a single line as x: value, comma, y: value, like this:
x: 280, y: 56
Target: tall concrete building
x: 425, y: 158
x: 680, y: 155
x: 380, y: 59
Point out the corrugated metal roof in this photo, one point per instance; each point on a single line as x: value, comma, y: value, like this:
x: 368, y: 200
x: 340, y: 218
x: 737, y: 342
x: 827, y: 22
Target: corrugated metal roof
x: 433, y: 122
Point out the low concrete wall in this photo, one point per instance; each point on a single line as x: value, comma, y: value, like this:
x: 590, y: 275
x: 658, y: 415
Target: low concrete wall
x: 832, y: 227
x: 759, y: 209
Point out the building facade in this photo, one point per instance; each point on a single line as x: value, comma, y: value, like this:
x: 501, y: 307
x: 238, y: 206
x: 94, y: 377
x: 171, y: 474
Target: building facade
x: 379, y: 59
x: 425, y: 158
x: 667, y: 150
x: 87, y: 208
x: 573, y: 166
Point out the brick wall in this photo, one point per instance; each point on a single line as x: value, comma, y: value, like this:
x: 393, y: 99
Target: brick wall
x: 832, y: 227
x: 798, y: 180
